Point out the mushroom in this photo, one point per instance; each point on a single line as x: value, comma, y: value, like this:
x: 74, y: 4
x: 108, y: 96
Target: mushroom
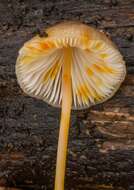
x: 73, y: 67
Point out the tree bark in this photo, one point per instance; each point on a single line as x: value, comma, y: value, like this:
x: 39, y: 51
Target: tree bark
x: 101, y: 142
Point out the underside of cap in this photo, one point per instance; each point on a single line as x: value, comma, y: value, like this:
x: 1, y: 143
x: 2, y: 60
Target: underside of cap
x: 97, y: 67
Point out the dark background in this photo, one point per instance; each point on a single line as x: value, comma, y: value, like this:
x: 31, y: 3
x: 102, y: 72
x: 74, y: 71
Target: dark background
x: 101, y: 142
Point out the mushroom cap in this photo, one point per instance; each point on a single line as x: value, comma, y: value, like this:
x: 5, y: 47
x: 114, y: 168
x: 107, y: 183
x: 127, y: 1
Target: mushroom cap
x: 97, y: 67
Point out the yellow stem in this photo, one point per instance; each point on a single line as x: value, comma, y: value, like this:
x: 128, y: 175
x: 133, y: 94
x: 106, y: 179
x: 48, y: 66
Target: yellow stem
x: 65, y: 119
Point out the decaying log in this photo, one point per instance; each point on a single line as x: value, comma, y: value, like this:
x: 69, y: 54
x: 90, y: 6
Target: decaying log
x: 101, y: 142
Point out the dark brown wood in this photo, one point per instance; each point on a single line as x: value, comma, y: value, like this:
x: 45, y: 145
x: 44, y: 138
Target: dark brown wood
x: 101, y: 142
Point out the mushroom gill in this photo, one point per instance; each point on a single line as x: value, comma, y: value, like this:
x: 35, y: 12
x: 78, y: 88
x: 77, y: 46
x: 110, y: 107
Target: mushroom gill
x: 97, y: 67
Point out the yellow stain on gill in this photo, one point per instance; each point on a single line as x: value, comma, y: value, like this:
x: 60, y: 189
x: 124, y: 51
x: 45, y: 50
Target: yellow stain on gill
x: 51, y: 73
x: 26, y: 59
x: 97, y: 81
x: 98, y: 45
x: 103, y: 68
x: 109, y: 70
x: 89, y: 72
x: 92, y: 92
x: 55, y: 71
x: 103, y: 55
x: 83, y: 92
x: 33, y: 49
x: 46, y: 76
x: 85, y: 39
x: 97, y: 68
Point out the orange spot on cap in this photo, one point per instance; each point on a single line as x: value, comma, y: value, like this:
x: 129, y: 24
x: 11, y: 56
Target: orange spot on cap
x: 46, y: 45
x: 85, y: 39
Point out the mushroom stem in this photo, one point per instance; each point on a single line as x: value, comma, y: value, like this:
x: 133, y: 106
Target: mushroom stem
x: 65, y: 119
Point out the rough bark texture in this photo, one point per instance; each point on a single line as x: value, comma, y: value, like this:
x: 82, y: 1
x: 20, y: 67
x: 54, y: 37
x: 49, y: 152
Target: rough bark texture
x: 101, y: 142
